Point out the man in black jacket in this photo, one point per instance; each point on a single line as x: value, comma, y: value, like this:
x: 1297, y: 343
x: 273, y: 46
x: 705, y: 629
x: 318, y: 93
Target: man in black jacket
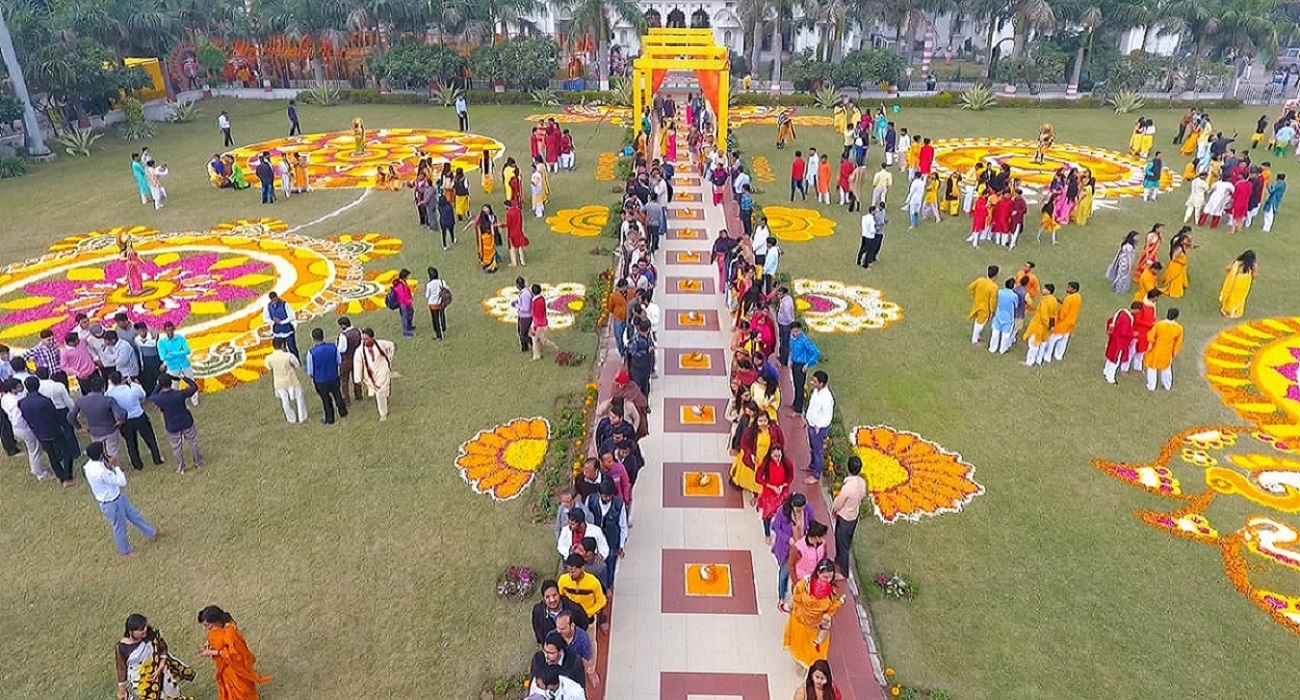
x: 44, y: 420
x: 551, y: 605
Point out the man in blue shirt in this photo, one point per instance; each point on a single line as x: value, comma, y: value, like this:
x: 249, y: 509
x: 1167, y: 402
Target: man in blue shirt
x: 294, y: 128
x: 174, y: 353
x: 178, y: 422
x: 803, y: 354
x: 45, y: 423
x: 1004, y: 319
x: 128, y: 396
x: 323, y: 367
x: 747, y: 210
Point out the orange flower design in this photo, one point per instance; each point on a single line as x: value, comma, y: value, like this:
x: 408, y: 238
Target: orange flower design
x: 584, y: 222
x: 909, y: 477
x: 501, y: 461
x: 800, y: 225
x: 1255, y: 368
x: 1116, y: 174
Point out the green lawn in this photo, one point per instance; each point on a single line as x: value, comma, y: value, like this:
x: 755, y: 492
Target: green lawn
x: 1046, y: 586
x: 355, y: 558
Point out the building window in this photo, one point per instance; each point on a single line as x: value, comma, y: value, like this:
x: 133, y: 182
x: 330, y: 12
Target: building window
x: 677, y: 19
x: 700, y: 19
x: 726, y: 38
x: 653, y: 18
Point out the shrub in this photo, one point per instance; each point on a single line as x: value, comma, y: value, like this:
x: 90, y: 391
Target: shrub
x: 828, y: 98
x: 11, y: 110
x: 977, y: 98
x: 12, y: 166
x: 321, y: 96
x: 873, y: 67
x: 366, y: 96
x: 545, y: 97
x: 79, y: 142
x: 622, y: 92
x: 183, y: 112
x: 446, y: 95
x: 1126, y: 101
x: 135, y: 128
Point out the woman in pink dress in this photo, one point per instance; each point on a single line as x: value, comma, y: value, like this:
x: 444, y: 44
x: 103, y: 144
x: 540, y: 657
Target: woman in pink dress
x: 670, y: 148
x: 134, y: 278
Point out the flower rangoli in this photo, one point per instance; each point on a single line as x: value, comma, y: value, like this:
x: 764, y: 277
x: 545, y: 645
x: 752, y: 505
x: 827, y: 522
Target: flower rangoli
x: 798, y: 225
x: 909, y: 477
x: 829, y: 306
x: 333, y: 160
x: 584, y: 222
x: 501, y: 461
x: 212, y: 284
x: 1116, y: 174
x: 563, y: 301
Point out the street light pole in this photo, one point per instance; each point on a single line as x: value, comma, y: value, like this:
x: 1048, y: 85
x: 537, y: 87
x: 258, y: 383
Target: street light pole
x: 35, y: 139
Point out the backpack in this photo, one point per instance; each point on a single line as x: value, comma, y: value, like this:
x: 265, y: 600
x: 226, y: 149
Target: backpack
x: 444, y: 297
x: 390, y: 299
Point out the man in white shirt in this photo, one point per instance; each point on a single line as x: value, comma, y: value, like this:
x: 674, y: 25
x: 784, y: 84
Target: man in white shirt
x: 810, y: 175
x: 550, y: 685
x: 462, y: 113
x: 770, y: 262
x: 14, y: 391
x: 120, y: 354
x: 223, y: 123
x: 915, y: 199
x: 868, y: 235
x: 106, y: 481
x: 739, y: 181
x: 577, y: 529
x: 820, y: 413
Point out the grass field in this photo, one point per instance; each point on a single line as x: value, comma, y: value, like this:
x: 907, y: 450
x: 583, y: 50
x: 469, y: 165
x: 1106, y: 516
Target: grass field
x: 355, y: 558
x: 1046, y: 586
x: 360, y: 565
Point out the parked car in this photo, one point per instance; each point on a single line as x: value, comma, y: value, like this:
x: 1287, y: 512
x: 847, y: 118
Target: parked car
x: 1289, y: 60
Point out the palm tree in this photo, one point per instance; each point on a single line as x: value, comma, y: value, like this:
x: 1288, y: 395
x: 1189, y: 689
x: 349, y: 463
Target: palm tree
x: 1151, y: 15
x: 1087, y: 15
x: 593, y: 17
x: 753, y: 14
x: 1030, y: 16
x: 318, y: 20
x: 828, y: 18
x: 781, y: 10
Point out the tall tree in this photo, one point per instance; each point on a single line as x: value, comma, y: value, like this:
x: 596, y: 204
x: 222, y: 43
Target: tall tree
x: 32, y: 128
x: 596, y: 18
x: 753, y: 16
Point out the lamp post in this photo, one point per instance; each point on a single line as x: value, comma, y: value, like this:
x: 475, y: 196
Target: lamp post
x: 35, y: 139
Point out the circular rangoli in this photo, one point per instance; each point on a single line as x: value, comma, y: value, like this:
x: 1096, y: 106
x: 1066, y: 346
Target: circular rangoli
x: 333, y: 160
x: 830, y: 306
x: 212, y: 284
x: 1117, y: 174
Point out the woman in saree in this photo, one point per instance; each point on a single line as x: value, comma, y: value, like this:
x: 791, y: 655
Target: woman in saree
x: 485, y: 239
x: 1150, y: 252
x: 301, y: 179
x: 1087, y: 187
x: 1120, y: 272
x: 670, y: 144
x: 145, y: 669
x: 237, y: 677
x: 808, y: 631
x: 761, y: 324
x: 1239, y: 277
x: 755, y: 443
x: 358, y: 136
x: 951, y: 195
x: 485, y: 164
x: 1069, y: 194
x: 1135, y: 137
x: 774, y: 475
x: 1176, y: 280
x: 539, y: 188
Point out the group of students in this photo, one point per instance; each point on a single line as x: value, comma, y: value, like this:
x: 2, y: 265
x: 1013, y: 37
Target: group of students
x: 1022, y: 308
x: 1231, y: 185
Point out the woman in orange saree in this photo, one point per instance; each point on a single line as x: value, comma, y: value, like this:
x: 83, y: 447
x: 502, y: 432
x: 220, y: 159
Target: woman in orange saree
x: 237, y: 679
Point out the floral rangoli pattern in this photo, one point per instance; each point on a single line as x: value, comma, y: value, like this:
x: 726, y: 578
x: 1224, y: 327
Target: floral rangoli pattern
x: 1116, y: 174
x: 583, y: 222
x: 563, y: 301
x: 830, y: 306
x: 333, y: 160
x: 212, y: 284
x: 909, y: 477
x: 502, y: 460
x: 798, y: 225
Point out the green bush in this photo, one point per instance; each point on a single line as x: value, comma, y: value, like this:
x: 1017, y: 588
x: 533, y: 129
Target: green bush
x: 762, y: 98
x: 362, y: 97
x: 872, y: 67
x: 11, y: 110
x: 321, y: 96
x: 12, y: 166
x: 402, y: 98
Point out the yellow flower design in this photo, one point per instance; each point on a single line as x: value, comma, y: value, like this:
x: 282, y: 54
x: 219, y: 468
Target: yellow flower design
x: 1116, y: 174
x: 799, y: 225
x: 606, y: 164
x: 909, y: 477
x: 1255, y: 367
x: 563, y: 302
x: 333, y: 161
x: 763, y: 169
x: 502, y: 460
x: 585, y: 222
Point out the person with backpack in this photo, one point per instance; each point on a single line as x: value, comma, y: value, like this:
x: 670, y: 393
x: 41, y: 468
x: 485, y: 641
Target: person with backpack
x: 438, y: 294
x: 640, y: 356
x: 401, y: 300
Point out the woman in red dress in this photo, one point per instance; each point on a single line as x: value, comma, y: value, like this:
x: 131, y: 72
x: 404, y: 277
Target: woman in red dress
x: 774, y: 476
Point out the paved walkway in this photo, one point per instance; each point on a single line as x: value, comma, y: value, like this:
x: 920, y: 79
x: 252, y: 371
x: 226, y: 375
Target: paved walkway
x: 673, y: 636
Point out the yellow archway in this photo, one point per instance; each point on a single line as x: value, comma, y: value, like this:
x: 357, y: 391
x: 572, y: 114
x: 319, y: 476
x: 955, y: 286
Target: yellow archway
x: 695, y: 50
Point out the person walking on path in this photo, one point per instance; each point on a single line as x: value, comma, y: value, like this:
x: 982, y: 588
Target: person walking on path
x: 462, y: 113
x: 141, y: 182
x: 292, y: 111
x: 174, y: 353
x: 373, y: 366
x: 280, y: 316
x: 798, y: 171
x: 105, y: 478
x: 223, y: 123
x: 540, y: 325
x: 323, y: 360
x: 803, y: 354
x: 789, y: 524
x: 438, y: 295
x: 237, y: 676
x: 178, y: 422
x: 808, y: 631
x: 288, y: 388
x: 846, y: 509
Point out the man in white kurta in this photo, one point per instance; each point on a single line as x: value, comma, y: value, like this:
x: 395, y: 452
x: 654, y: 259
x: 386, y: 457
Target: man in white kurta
x: 373, y: 367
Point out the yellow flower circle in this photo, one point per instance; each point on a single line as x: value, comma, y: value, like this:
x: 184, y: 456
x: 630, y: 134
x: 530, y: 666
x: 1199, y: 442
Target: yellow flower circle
x: 763, y: 169
x: 584, y: 222
x: 501, y: 461
x: 791, y: 224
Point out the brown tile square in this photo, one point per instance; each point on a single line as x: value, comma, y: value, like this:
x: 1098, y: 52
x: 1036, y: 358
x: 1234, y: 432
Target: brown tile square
x: 709, y: 362
x: 680, y: 416
x: 674, y: 685
x: 739, y: 567
x: 675, y: 476
x: 683, y: 320
x: 686, y: 234
x: 685, y: 214
x: 688, y: 285
x: 689, y: 257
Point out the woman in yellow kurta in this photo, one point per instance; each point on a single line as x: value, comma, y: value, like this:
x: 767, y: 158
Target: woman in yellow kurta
x: 1176, y: 280
x: 808, y: 631
x: 1135, y: 138
x: 358, y: 135
x: 951, y: 195
x: 1148, y: 280
x: 1083, y: 208
x: 914, y: 154
x: 1189, y: 144
x: 755, y: 443
x: 1237, y: 281
x: 766, y: 395
x: 508, y: 174
x: 237, y: 677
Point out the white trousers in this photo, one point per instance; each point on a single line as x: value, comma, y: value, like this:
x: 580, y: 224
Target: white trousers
x: 159, y: 193
x: 1056, y: 346
x: 1268, y: 220
x: 566, y: 161
x: 968, y: 198
x: 1000, y: 341
x: 33, y: 446
x: 1109, y: 371
x: 1166, y: 378
x: 977, y: 332
x: 1034, y: 355
x: 878, y: 196
x: 287, y: 399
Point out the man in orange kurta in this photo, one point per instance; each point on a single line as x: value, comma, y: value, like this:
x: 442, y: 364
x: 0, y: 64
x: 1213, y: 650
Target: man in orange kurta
x: 984, y: 300
x: 1041, y: 326
x: 1166, y: 341
x: 1066, y: 319
x: 1143, y: 321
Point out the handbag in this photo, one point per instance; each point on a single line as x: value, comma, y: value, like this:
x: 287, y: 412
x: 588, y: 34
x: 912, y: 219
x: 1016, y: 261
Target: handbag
x: 444, y: 297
